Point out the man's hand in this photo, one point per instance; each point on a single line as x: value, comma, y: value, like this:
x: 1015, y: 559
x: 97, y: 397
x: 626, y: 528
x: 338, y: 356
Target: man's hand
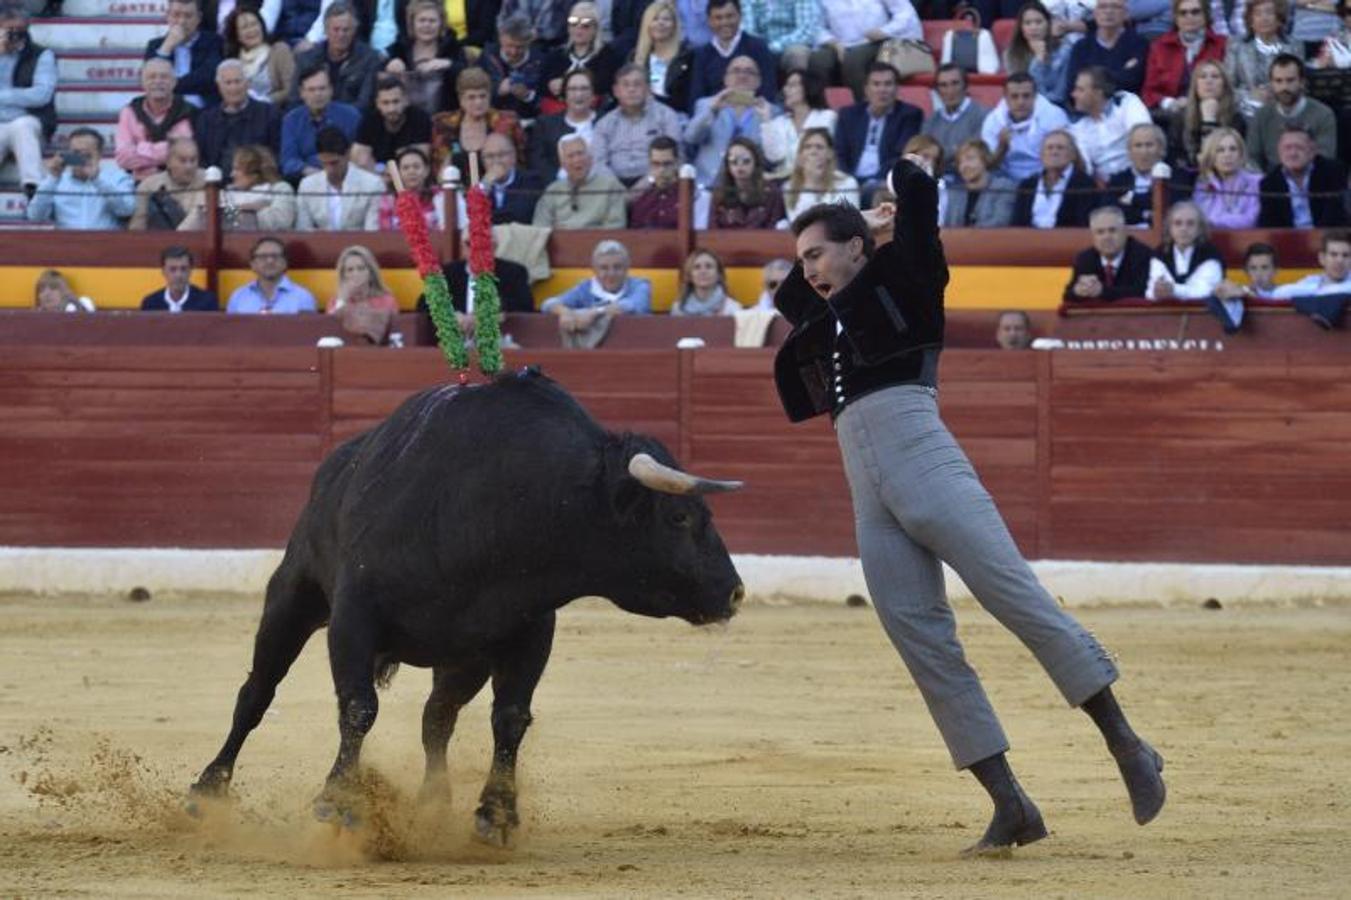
x: 172, y: 38
x: 922, y: 162
x: 1163, y: 289
x: 55, y: 165
x: 395, y: 66
x: 1087, y: 286
x: 1228, y: 290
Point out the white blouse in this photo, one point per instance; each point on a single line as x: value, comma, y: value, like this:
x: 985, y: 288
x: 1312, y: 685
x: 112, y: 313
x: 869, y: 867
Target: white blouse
x: 779, y: 139
x: 1199, y: 285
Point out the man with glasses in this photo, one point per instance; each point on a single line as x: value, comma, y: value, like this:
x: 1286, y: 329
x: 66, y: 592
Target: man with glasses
x: 1109, y: 43
x: 271, y: 292
x: 1173, y: 56
x: 738, y: 110
x: 729, y: 42
x: 654, y: 202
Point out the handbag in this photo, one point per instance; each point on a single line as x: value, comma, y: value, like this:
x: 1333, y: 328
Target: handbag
x: 908, y: 57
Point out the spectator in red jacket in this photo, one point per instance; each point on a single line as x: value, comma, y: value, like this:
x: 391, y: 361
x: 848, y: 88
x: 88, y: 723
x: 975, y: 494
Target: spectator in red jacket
x: 1171, y: 57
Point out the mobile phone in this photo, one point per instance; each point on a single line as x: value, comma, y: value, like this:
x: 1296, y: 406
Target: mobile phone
x: 73, y: 158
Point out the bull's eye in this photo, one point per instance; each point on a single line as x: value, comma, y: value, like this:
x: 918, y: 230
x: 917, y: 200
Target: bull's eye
x: 680, y: 519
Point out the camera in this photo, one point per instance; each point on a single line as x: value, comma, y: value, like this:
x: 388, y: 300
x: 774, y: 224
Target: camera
x: 16, y: 35
x: 73, y: 158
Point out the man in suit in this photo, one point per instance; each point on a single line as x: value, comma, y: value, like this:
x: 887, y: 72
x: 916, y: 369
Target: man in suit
x: 1116, y: 266
x: 1306, y: 190
x: 179, y: 294
x: 513, y: 291
x: 729, y: 42
x: 1062, y: 195
x: 341, y: 196
x: 1132, y: 188
x: 869, y: 135
x: 514, y: 191
x: 193, y: 52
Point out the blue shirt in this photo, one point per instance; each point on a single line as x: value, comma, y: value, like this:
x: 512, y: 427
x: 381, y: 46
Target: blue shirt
x: 100, y: 203
x: 299, y: 132
x: 694, y: 21
x: 635, y: 298
x: 1299, y: 199
x: 288, y: 299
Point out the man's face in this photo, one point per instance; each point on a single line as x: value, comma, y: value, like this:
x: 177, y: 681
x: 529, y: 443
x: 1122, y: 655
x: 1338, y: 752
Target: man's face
x: 177, y: 270
x: 185, y: 15
x: 499, y: 152
x: 576, y: 159
x: 157, y: 79
x: 513, y: 51
x: 182, y: 162
x: 234, y: 89
x: 1336, y: 260
x: 828, y: 265
x: 725, y: 21
x: 951, y: 88
x: 7, y: 25
x: 579, y: 96
x: 1110, y: 14
x: 334, y: 166
x: 1184, y: 226
x: 1087, y: 98
x: 880, y: 91
x: 1286, y: 85
x: 1144, y: 150
x: 1261, y: 270
x: 1011, y: 333
x: 1056, y: 153
x: 340, y: 32
x: 1109, y: 236
x: 1021, y: 98
x: 662, y: 166
x: 317, y: 92
x: 742, y: 75
x: 391, y: 104
x: 269, y: 261
x: 611, y: 271
x: 1295, y: 151
x: 631, y: 91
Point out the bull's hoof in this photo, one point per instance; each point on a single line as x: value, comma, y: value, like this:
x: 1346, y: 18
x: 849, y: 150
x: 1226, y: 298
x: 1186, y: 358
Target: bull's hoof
x: 210, y: 787
x: 339, y: 815
x: 495, y: 827
x: 434, y: 792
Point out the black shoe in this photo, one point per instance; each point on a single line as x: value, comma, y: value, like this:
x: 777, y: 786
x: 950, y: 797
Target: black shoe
x: 1141, y: 769
x: 1013, y: 825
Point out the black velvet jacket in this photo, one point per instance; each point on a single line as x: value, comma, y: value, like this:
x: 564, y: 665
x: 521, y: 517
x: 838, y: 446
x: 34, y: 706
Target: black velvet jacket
x: 890, y: 315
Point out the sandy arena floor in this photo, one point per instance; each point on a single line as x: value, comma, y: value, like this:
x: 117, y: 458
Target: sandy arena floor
x: 787, y: 755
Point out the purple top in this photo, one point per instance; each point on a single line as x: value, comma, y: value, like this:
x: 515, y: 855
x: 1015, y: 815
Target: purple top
x: 1231, y: 203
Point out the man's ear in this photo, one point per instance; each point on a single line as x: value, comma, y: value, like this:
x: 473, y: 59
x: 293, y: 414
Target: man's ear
x: 855, y: 247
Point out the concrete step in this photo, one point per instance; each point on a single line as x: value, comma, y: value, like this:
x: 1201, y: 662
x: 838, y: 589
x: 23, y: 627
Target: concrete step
x: 96, y: 100
x: 129, y: 34
x: 120, y: 9
x: 99, y: 66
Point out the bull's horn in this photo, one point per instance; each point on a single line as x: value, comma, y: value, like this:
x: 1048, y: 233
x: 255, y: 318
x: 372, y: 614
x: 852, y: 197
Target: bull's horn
x: 662, y: 478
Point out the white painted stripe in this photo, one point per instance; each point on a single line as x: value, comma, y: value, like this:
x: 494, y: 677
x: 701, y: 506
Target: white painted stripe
x: 122, y: 68
x: 92, y: 103
x: 769, y: 579
x: 137, y: 9
x: 85, y: 34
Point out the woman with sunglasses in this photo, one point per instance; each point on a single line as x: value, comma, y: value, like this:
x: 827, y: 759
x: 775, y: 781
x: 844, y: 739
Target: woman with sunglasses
x: 1173, y: 56
x: 584, y: 49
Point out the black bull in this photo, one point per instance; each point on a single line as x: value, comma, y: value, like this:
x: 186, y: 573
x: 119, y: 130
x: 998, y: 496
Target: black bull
x: 448, y: 537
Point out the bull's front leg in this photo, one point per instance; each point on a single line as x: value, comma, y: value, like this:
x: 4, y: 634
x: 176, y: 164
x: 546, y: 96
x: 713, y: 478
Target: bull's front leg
x: 516, y: 672
x: 452, y: 688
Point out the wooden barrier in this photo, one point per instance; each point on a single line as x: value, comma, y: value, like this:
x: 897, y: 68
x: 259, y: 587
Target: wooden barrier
x: 1224, y: 457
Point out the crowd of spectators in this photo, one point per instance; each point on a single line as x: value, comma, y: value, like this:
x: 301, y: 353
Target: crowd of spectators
x: 581, y: 114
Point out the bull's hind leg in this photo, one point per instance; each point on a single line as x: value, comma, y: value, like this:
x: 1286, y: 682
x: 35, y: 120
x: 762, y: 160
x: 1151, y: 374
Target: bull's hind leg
x: 295, y: 608
x: 452, y: 688
x: 352, y: 652
x: 517, y: 666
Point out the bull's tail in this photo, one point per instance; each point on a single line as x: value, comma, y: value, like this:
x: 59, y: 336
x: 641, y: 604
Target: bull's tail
x: 385, y: 670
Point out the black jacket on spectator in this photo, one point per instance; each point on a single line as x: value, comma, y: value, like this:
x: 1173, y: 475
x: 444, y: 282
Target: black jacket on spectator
x: 198, y: 301
x: 678, y: 77
x: 1140, y: 209
x: 851, y: 134
x: 1202, y: 251
x: 219, y: 132
x: 206, y: 53
x: 451, y: 50
x: 519, y: 199
x: 710, y: 67
x: 1130, y: 281
x: 544, y: 144
x: 355, y: 83
x: 294, y: 20
x: 530, y: 72
x: 625, y: 18
x: 603, y: 64
x: 1081, y: 198
x: 513, y: 286
x: 1328, y: 178
x: 416, y: 129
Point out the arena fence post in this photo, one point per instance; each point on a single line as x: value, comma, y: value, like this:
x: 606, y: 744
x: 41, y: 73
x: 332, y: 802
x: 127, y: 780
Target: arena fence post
x: 685, y: 212
x: 212, y: 253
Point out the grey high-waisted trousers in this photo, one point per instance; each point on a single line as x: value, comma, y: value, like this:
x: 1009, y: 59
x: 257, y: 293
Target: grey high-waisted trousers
x: 917, y: 504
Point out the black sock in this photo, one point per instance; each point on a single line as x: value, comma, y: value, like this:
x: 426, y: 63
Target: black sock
x: 1103, y: 709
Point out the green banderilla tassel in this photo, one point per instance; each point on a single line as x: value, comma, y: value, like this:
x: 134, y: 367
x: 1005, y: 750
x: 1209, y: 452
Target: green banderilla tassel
x: 448, y: 333
x: 487, y: 328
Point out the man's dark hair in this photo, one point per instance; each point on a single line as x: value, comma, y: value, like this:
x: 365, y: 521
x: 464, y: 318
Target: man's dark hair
x: 1336, y: 236
x: 331, y: 140
x: 1287, y: 59
x: 1259, y: 249
x: 952, y: 67
x: 175, y: 251
x: 718, y: 4
x: 312, y: 70
x: 579, y: 73
x: 196, y: 3
x: 1101, y: 79
x: 843, y: 222
x: 1022, y: 314
x: 878, y: 66
x: 1298, y: 128
x: 388, y: 83
x: 662, y: 142
x: 267, y: 239
x: 1019, y: 78
x: 342, y: 8
x: 89, y: 133
x: 628, y: 69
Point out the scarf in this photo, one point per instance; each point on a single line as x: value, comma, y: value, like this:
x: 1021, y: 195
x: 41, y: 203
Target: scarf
x: 691, y: 305
x: 254, y: 60
x: 606, y: 297
x: 157, y: 132
x: 1192, y: 46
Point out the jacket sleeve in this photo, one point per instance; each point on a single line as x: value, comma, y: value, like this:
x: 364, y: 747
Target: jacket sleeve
x: 41, y: 206
x: 1075, y: 271
x: 201, y: 77
x: 640, y: 303
x: 796, y: 300
x: 119, y: 190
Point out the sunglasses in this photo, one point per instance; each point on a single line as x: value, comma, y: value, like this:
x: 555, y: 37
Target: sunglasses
x: 585, y: 21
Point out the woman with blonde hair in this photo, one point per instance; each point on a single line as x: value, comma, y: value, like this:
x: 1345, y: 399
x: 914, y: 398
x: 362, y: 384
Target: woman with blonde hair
x: 52, y: 293
x: 428, y: 58
x: 360, y: 283
x: 1187, y: 266
x: 1226, y: 189
x: 703, y: 287
x: 585, y: 48
x: 816, y: 176
x: 1211, y: 104
x: 664, y: 54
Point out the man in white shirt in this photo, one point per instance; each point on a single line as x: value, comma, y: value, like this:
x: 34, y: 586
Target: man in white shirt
x: 1334, y: 255
x: 855, y: 30
x: 340, y: 197
x: 1015, y: 128
x: 1106, y: 118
